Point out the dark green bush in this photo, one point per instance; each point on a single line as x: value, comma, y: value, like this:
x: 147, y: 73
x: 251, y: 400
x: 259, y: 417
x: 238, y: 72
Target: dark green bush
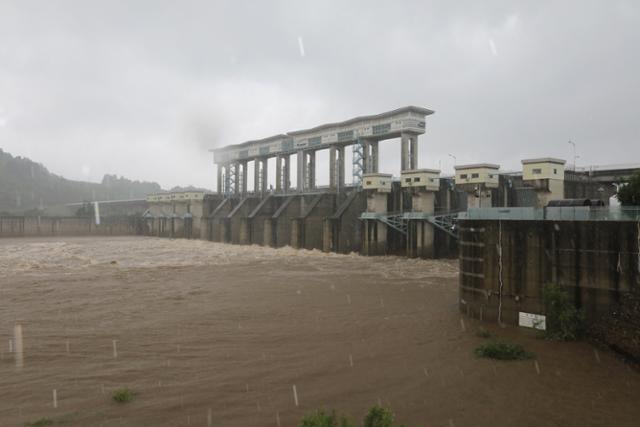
x: 503, y: 351
x: 564, y: 321
x: 378, y: 417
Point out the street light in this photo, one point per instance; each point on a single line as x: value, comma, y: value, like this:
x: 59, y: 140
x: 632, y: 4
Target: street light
x: 574, y: 154
x: 454, y: 160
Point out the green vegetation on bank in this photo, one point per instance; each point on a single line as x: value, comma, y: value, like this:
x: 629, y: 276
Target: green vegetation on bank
x: 40, y: 422
x: 564, y: 322
x: 123, y: 395
x: 377, y: 416
x: 503, y: 351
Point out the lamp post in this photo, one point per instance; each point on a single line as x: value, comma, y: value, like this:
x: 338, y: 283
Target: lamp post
x: 574, y: 154
x: 454, y: 160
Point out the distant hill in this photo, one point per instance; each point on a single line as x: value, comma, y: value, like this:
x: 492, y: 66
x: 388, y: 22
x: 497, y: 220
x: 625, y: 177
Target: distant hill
x: 27, y: 186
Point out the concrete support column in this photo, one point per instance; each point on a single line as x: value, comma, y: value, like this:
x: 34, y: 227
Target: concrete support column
x: 336, y: 168
x: 424, y: 202
x: 375, y: 238
x: 243, y: 183
x: 265, y: 176
x: 219, y: 178
x: 311, y: 170
x: 373, y: 157
x: 256, y: 176
x: 268, y: 238
x: 366, y: 158
x: 404, y: 152
x: 409, y: 154
x: 245, y: 231
x: 278, y: 173
x: 302, y: 171
x: 286, y: 173
x: 340, y: 168
x: 413, y: 164
x: 333, y: 177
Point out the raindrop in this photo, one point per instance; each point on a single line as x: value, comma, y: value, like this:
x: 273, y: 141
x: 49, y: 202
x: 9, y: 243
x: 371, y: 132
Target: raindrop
x: 351, y: 360
x: 55, y: 398
x: 535, y: 363
x: 295, y: 395
x: 115, y: 349
x: 17, y: 337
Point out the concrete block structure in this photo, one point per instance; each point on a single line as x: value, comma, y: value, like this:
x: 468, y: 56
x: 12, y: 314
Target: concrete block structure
x: 477, y: 180
x: 546, y: 175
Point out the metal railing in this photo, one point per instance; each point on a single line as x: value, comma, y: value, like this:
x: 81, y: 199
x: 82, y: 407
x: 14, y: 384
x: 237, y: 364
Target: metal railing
x: 565, y: 213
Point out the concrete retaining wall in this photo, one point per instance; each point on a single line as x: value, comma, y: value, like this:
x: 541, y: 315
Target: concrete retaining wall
x: 597, y: 261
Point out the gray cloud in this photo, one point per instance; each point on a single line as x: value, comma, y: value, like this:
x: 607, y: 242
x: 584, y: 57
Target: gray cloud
x: 143, y: 89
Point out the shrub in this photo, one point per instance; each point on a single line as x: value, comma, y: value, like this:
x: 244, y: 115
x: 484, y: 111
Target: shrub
x: 378, y: 417
x: 563, y: 320
x: 123, y: 395
x: 629, y: 194
x: 503, y: 351
x: 320, y: 419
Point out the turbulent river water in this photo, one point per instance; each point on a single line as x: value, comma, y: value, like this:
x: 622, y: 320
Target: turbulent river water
x: 224, y: 335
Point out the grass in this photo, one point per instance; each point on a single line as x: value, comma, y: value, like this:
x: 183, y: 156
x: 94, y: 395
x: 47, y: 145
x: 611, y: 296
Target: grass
x: 40, y: 422
x: 503, y: 351
x: 123, y: 395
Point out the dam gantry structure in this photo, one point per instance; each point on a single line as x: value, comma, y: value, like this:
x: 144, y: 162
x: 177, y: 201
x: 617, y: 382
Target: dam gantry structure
x: 369, y: 215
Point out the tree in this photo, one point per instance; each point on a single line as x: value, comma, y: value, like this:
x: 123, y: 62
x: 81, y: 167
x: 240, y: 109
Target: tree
x: 629, y: 194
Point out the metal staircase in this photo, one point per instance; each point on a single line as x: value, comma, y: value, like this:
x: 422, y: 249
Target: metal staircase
x: 399, y: 220
x: 446, y: 222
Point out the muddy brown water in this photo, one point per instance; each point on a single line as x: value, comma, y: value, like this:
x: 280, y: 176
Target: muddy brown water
x: 213, y: 334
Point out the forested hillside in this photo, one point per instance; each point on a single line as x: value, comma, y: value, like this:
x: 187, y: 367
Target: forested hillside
x: 26, y: 186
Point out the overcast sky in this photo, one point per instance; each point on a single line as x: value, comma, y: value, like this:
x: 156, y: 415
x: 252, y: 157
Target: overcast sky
x: 144, y: 89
